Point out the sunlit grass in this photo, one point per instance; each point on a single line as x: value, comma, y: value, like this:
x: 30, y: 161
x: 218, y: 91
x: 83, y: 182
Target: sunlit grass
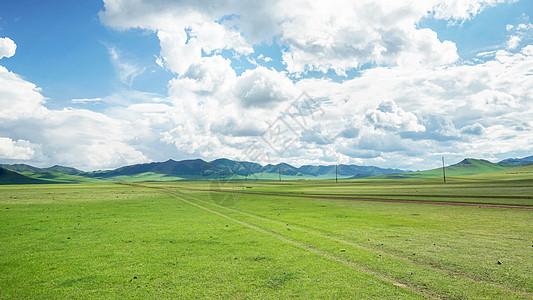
x: 183, y: 241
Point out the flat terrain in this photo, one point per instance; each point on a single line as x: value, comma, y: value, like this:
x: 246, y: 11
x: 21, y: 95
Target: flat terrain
x: 268, y: 239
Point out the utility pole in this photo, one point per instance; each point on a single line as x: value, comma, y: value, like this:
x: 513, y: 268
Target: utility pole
x: 336, y: 171
x: 443, y: 170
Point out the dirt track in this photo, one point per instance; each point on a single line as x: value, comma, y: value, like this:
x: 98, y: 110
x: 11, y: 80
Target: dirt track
x: 487, y: 205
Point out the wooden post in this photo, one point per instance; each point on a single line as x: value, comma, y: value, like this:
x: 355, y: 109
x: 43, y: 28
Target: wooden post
x: 336, y: 171
x: 443, y: 170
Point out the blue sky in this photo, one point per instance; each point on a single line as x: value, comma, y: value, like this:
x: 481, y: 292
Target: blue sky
x: 97, y: 85
x: 63, y: 47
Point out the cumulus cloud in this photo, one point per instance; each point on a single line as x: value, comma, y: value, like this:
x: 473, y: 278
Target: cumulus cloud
x: 519, y: 34
x: 79, y: 138
x: 492, y: 99
x: 513, y: 42
x: 185, y: 29
x: 18, y: 97
x: 19, y: 149
x: 455, y: 108
x: 474, y: 129
x: 262, y: 87
x: 208, y: 76
x: 316, y: 36
x: 7, y: 47
x: 391, y: 117
x: 437, y: 127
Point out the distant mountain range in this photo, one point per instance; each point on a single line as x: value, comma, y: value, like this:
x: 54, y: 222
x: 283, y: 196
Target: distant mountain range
x: 229, y: 169
x: 520, y: 161
x: 226, y: 169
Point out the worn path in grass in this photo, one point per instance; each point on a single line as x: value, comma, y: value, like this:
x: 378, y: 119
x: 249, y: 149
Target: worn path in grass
x: 433, y: 281
x: 329, y: 197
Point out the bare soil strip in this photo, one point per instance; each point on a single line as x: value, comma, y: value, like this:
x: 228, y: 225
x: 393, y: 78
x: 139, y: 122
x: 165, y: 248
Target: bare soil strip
x: 313, y: 196
x: 433, y: 196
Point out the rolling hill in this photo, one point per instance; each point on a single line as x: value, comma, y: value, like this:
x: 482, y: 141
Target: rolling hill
x: 520, y: 161
x: 19, y: 168
x: 468, y: 166
x: 184, y: 169
x: 11, y: 177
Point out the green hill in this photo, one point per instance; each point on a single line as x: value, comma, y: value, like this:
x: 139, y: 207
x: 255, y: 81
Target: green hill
x: 20, y: 168
x: 63, y: 170
x: 468, y: 166
x: 520, y: 161
x: 523, y: 172
x: 11, y: 177
x: 55, y: 177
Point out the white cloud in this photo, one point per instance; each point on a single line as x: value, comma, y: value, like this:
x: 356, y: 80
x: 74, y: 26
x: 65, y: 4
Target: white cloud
x: 86, y: 100
x: 74, y: 137
x: 361, y: 32
x: 438, y: 127
x: 16, y: 150
x: 185, y: 30
x: 207, y: 76
x: 519, y: 34
x: 474, y: 129
x: 338, y: 35
x: 528, y: 26
x: 391, y: 117
x: 182, y: 43
x: 262, y: 87
x: 460, y: 10
x: 513, y: 42
x: 7, y: 47
x: 18, y: 97
x: 492, y: 101
x: 431, y: 112
x: 127, y: 71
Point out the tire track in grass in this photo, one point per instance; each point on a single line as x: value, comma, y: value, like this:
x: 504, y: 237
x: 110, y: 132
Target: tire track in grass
x: 428, y: 267
x: 295, y: 243
x: 433, y: 267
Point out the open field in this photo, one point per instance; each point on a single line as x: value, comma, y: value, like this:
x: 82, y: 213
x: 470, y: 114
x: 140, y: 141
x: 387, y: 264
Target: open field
x: 248, y: 239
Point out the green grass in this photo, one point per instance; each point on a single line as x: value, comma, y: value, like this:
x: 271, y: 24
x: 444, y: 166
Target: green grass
x: 184, y: 239
x: 509, y: 187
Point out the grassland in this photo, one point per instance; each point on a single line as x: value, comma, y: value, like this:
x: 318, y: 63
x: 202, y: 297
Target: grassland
x: 256, y: 239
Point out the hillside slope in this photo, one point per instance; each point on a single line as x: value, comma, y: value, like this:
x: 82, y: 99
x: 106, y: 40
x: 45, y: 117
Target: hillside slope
x: 11, y: 177
x: 468, y: 166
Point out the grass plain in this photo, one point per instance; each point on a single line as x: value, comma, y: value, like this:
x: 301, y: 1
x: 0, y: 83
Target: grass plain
x: 255, y: 239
